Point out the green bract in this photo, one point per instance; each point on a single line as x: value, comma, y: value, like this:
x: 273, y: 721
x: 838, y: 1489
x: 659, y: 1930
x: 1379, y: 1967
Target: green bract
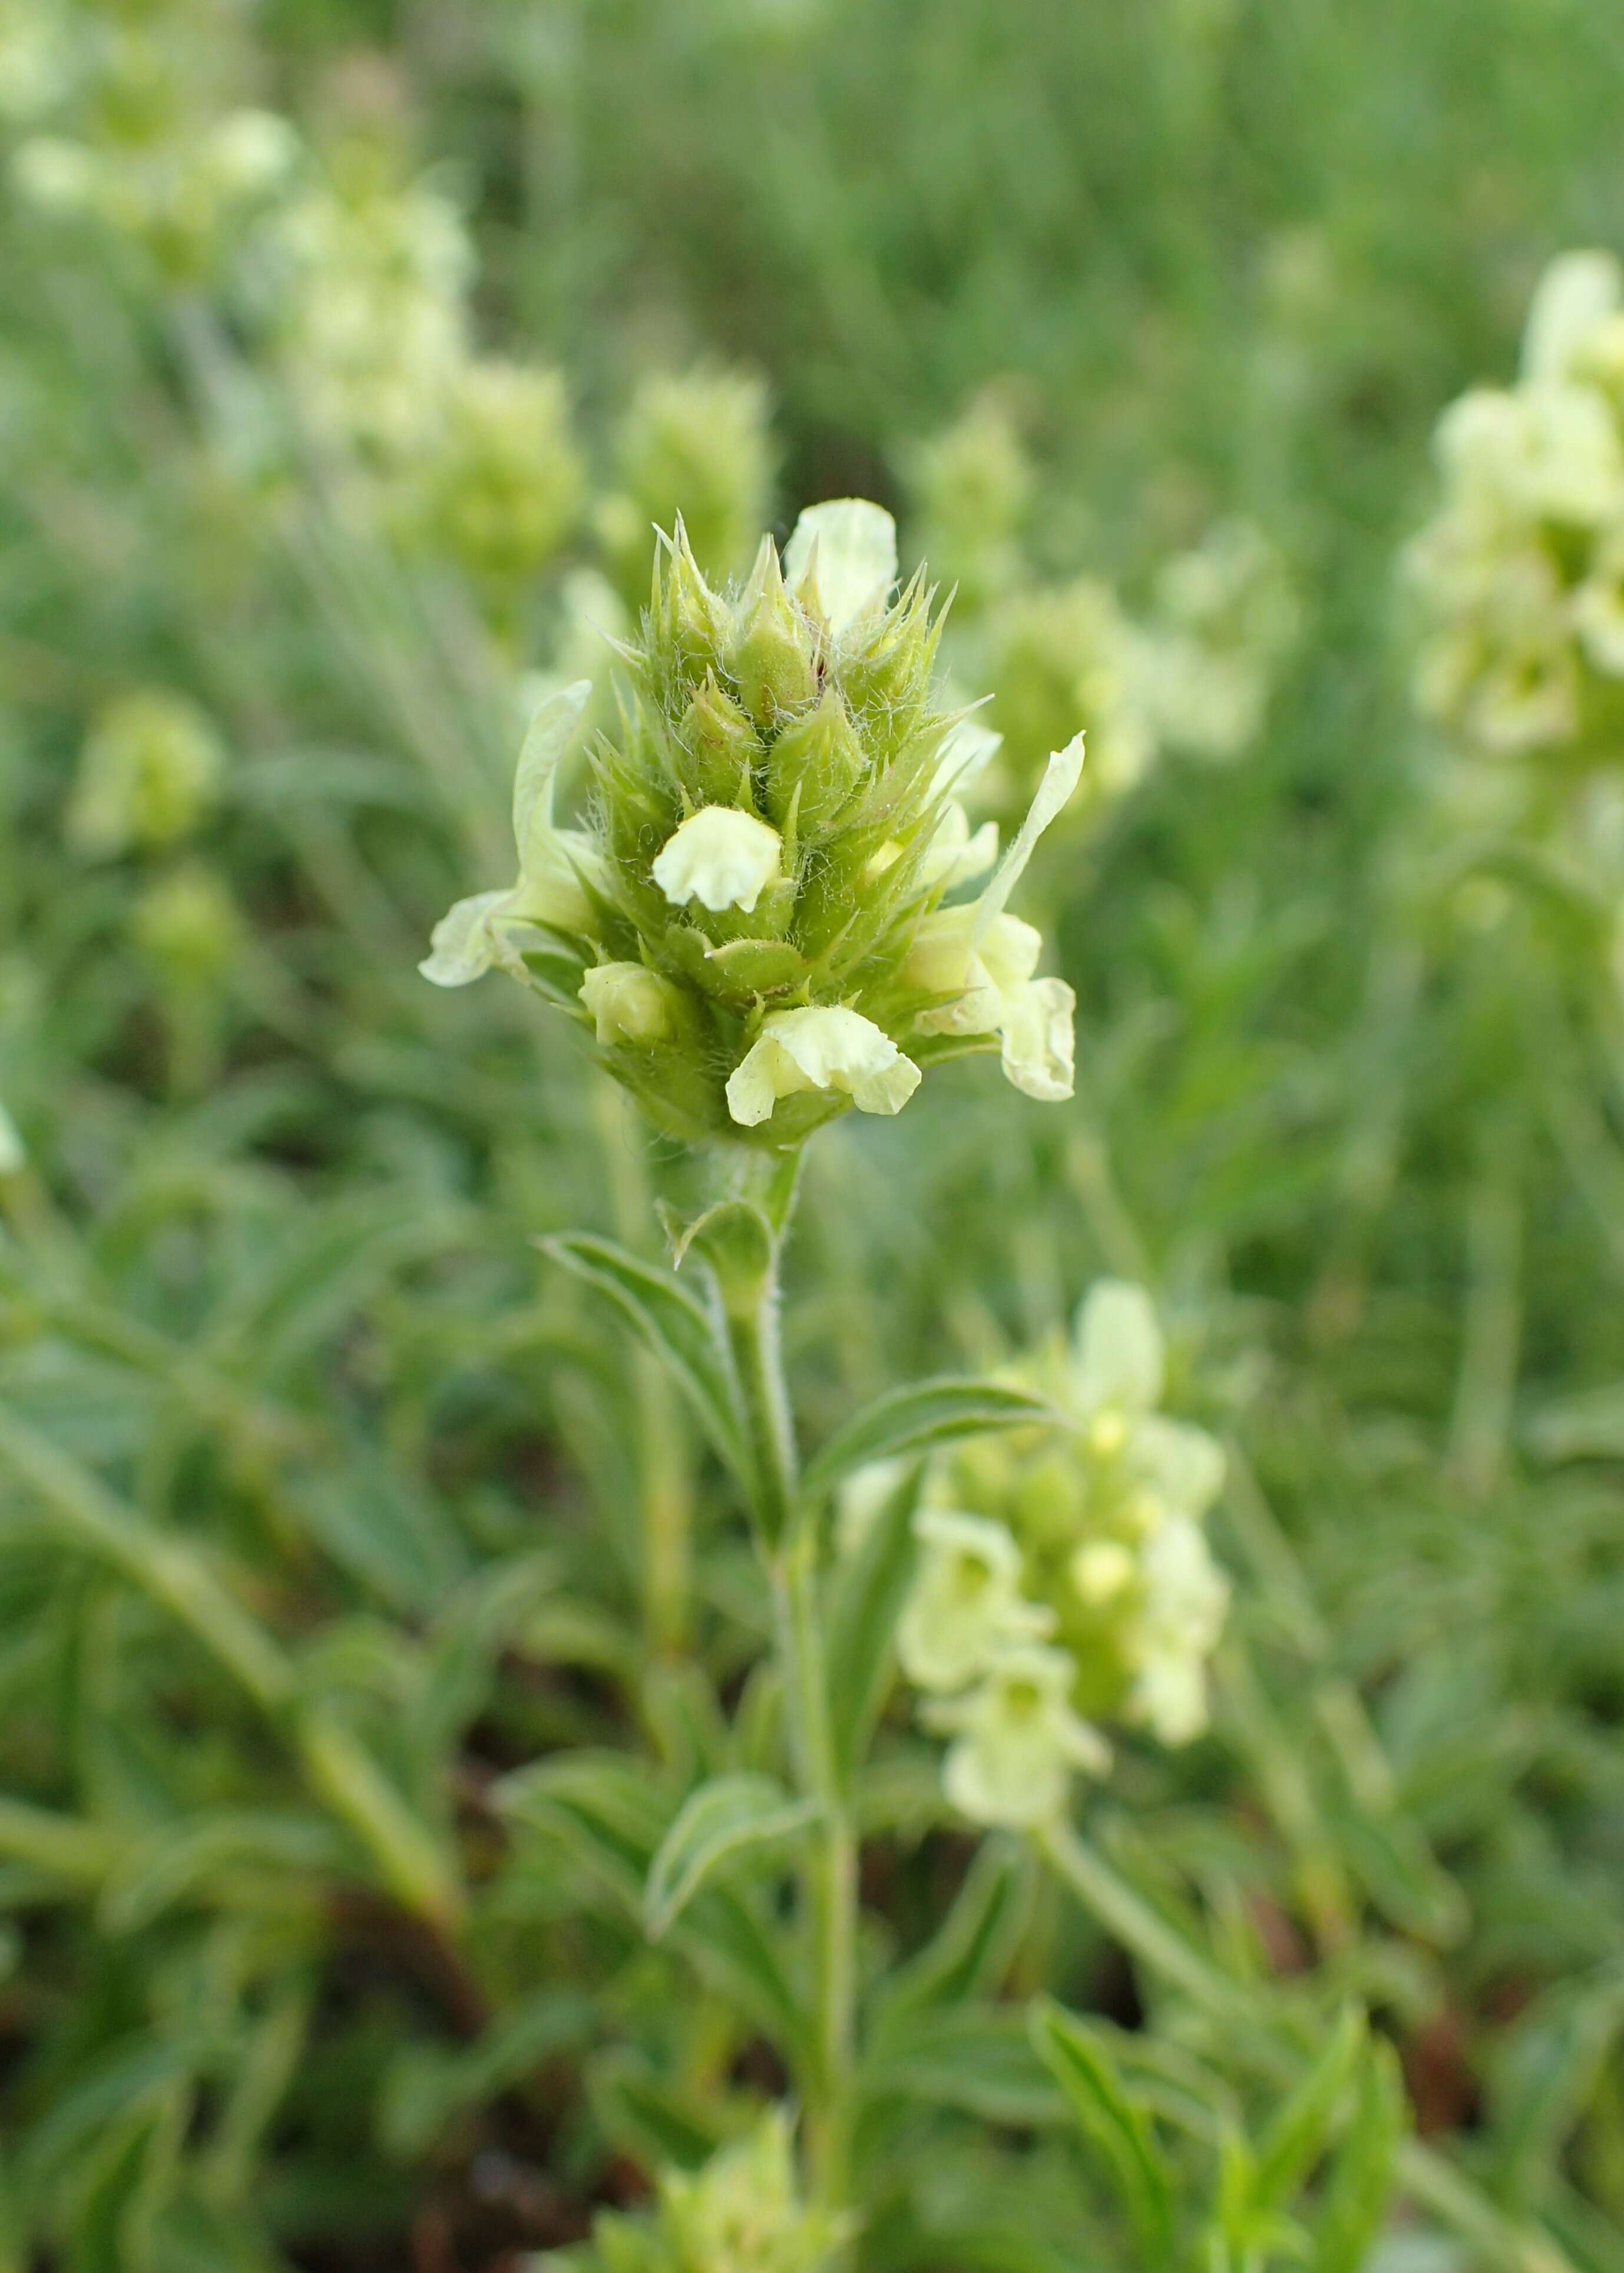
x: 752, y: 922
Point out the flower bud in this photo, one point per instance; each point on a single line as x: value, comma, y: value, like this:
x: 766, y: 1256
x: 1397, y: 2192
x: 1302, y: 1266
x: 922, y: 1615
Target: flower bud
x: 1019, y: 1740
x: 187, y: 927
x: 149, y: 773
x: 722, y: 746
x: 251, y: 151
x: 741, y: 2212
x: 987, y: 970
x: 815, y: 767
x: 841, y: 562
x: 694, y: 447
x: 499, y: 489
x: 631, y: 1003
x: 965, y: 1602
x: 767, y: 650
x: 1577, y: 294
x: 1101, y: 1569
x: 60, y: 176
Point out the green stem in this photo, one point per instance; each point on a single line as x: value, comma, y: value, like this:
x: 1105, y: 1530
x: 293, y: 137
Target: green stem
x: 751, y: 1312
x: 788, y: 1534
x: 664, y: 1468
x: 833, y: 1867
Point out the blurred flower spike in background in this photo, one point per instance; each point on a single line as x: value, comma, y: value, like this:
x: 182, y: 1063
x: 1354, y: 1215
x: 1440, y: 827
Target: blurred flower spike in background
x: 1065, y: 1575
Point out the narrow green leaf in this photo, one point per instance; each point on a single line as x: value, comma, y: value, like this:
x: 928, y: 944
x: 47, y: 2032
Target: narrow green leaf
x: 724, y: 1819
x: 970, y: 1952
x: 679, y: 1329
x: 427, y: 2085
x: 646, y: 2116
x: 1399, y: 1871
x: 978, y: 2059
x: 918, y: 1415
x: 413, y: 1862
x: 1113, y: 2124
x: 609, y: 1815
x: 734, y: 1238
x: 169, y: 1571
x: 173, y: 1863
x: 1545, y: 2073
x: 601, y: 1806
x: 866, y: 1594
x: 1299, y: 2134
x: 1361, y: 2184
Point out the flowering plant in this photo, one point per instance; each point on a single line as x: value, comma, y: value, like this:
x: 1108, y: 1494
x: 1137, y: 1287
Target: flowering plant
x: 755, y: 919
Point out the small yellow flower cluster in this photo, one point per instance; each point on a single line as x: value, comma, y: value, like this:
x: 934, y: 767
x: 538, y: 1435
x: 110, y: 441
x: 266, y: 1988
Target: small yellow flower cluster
x: 369, y: 304
x: 1064, y: 1578
x: 149, y: 772
x: 1068, y: 651
x: 1520, y: 574
x: 1194, y: 676
x: 141, y: 133
x: 1224, y: 618
x: 755, y: 922
x: 972, y: 487
x: 37, y: 60
x: 469, y: 459
x: 695, y: 445
x: 501, y: 487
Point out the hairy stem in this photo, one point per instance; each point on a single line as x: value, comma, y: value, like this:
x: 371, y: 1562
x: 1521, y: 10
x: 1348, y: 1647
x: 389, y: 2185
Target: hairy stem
x: 752, y: 1316
x: 833, y: 1868
x: 788, y: 1534
x: 664, y: 1467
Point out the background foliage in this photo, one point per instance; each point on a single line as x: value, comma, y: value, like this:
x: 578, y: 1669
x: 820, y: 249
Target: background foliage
x: 325, y: 1495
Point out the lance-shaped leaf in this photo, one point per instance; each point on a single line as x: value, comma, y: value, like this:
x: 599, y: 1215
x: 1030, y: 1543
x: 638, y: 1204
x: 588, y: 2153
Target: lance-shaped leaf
x: 914, y: 1418
x: 1113, y: 2124
x: 866, y: 1594
x: 734, y: 1238
x: 611, y: 1816
x: 680, y: 1328
x: 429, y: 2085
x: 1301, y: 2130
x: 970, y: 1952
x: 647, y: 2116
x: 723, y: 1820
x: 976, y: 2058
x: 1545, y: 2072
x: 1355, y: 2199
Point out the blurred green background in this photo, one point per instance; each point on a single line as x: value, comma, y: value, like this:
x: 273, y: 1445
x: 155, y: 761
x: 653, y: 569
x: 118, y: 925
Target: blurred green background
x: 321, y: 1494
